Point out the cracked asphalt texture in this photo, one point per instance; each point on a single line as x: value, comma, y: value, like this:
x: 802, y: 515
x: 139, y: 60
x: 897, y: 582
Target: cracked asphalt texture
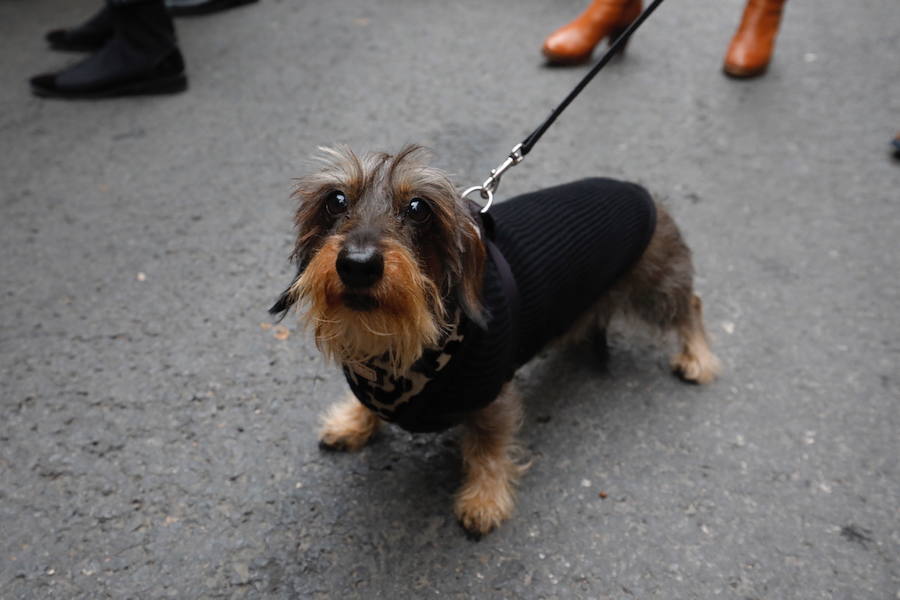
x: 158, y: 432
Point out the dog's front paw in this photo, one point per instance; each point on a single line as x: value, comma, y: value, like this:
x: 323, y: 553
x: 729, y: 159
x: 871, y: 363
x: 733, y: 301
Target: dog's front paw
x: 482, y: 505
x: 347, y: 425
x: 340, y: 442
x: 696, y: 367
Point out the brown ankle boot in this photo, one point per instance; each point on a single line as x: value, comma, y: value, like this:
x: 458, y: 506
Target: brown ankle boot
x: 573, y: 43
x: 752, y: 45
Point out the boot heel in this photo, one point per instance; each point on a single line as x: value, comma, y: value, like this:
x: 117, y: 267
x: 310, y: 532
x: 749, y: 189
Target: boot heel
x: 614, y: 35
x: 632, y: 11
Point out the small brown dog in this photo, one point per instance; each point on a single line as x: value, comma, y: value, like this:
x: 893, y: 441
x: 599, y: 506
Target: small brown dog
x: 430, y: 307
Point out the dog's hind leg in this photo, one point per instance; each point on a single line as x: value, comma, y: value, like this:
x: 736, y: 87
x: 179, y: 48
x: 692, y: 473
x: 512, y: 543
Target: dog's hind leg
x: 695, y: 362
x: 487, y: 496
x: 659, y: 290
x: 591, y: 327
x: 347, y: 425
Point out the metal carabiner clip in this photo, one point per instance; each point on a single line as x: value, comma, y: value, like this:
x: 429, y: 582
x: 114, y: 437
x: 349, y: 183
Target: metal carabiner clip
x: 486, y: 190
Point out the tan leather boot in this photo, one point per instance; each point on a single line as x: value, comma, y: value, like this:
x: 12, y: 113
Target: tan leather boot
x: 752, y: 45
x: 573, y: 43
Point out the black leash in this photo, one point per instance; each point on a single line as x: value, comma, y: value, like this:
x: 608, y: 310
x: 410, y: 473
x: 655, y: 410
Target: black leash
x: 521, y: 150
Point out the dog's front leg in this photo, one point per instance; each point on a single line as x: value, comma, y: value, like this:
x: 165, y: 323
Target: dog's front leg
x: 347, y: 425
x: 487, y: 496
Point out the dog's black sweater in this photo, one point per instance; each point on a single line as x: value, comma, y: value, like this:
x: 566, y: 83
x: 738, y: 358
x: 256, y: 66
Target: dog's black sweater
x: 565, y: 246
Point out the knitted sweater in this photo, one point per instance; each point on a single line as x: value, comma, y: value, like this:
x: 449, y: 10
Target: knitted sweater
x: 565, y: 246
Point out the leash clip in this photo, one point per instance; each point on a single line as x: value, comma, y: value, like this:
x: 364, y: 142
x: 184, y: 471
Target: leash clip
x: 514, y: 158
x: 486, y: 190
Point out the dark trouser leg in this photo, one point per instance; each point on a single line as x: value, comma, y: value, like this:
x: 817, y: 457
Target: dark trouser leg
x: 142, y: 57
x: 145, y: 24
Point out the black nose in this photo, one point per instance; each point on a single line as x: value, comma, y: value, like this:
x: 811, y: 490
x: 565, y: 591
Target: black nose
x: 360, y: 267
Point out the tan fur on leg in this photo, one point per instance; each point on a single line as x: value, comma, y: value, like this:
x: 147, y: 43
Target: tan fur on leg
x: 695, y: 362
x: 348, y: 425
x: 487, y: 496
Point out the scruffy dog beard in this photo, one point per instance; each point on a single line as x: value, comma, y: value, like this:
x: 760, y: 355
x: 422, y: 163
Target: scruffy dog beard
x: 403, y: 316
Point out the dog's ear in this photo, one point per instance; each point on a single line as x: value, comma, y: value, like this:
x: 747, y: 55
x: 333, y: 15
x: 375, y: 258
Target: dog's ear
x: 283, y: 304
x: 287, y: 299
x: 468, y: 292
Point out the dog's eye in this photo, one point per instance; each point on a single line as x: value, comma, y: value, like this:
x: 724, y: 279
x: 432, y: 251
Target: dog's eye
x: 336, y: 203
x: 418, y: 211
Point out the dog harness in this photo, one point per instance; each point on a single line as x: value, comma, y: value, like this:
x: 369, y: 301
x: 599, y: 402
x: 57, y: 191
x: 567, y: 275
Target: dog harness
x: 564, y: 247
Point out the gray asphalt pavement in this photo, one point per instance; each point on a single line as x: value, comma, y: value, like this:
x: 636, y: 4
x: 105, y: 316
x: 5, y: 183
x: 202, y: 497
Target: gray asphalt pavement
x: 158, y: 432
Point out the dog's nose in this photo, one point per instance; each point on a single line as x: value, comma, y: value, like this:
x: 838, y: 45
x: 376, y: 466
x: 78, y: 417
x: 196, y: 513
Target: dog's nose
x: 360, y: 267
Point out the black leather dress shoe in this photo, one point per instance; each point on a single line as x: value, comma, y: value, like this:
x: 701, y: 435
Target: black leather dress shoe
x: 181, y: 8
x: 115, y: 70
x: 141, y: 57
